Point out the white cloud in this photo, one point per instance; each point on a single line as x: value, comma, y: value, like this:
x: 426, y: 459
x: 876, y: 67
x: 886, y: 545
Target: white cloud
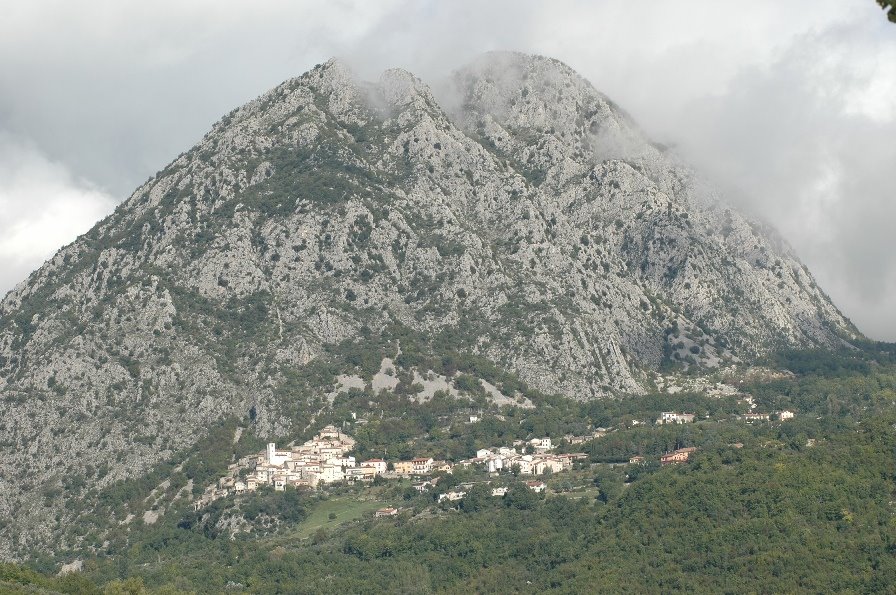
x: 806, y: 142
x: 42, y: 207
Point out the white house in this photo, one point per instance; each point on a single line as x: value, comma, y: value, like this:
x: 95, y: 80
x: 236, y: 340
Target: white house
x: 541, y: 444
x: 526, y: 463
x: 360, y: 473
x: 280, y: 481
x: 342, y: 461
x: 551, y: 464
x: 452, y: 496
x: 263, y: 474
x: 671, y: 417
x: 536, y: 486
x: 331, y: 473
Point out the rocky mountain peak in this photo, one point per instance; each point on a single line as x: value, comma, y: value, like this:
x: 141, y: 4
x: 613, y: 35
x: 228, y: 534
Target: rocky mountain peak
x: 535, y: 93
x: 400, y: 89
x: 531, y: 225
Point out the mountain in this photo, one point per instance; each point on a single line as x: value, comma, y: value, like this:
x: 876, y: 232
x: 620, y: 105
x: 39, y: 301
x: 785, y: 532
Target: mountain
x: 520, y: 216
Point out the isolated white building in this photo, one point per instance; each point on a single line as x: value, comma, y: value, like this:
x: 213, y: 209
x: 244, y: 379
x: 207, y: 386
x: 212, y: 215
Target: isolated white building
x: 671, y: 417
x: 536, y: 486
x: 452, y: 496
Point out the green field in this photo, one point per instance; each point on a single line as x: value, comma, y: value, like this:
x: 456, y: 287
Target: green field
x: 346, y: 508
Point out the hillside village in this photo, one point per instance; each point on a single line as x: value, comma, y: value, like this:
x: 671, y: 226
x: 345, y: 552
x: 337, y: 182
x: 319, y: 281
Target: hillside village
x: 325, y: 459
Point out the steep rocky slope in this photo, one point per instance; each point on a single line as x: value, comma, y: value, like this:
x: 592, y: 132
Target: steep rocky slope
x: 528, y: 221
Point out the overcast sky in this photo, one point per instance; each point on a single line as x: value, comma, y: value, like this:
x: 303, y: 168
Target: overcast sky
x: 789, y: 106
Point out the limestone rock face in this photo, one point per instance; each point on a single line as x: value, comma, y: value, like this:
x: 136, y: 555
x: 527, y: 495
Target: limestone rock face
x: 528, y: 216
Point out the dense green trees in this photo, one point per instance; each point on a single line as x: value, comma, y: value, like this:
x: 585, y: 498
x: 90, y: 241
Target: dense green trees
x: 609, y: 482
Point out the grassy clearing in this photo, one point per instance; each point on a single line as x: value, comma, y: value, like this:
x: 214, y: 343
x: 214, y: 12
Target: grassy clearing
x: 346, y: 508
x: 589, y: 493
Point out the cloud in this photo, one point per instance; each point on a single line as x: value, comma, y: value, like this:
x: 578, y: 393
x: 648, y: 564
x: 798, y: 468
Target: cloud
x: 42, y: 207
x: 806, y: 142
x: 137, y: 84
x: 788, y: 105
